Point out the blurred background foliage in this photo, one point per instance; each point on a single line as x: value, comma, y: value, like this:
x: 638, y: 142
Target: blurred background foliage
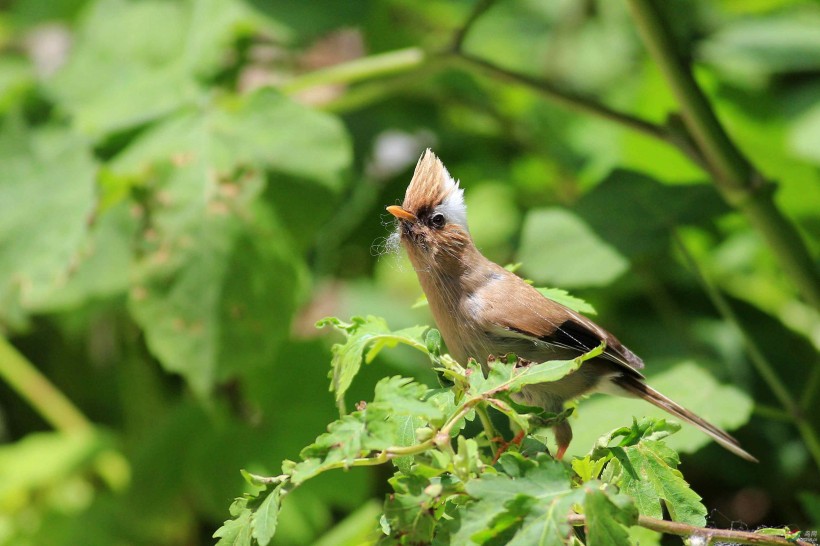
x: 186, y: 186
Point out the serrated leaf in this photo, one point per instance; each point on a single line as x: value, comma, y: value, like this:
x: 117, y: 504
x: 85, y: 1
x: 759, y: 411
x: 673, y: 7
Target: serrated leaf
x: 528, y: 502
x: 587, y: 468
x: 235, y: 532
x: 407, y: 512
x: 399, y: 407
x: 567, y: 300
x: 511, y: 377
x: 403, y: 396
x: 646, y: 428
x: 648, y: 473
x: 370, y: 334
x: 606, y: 513
x: 266, y: 517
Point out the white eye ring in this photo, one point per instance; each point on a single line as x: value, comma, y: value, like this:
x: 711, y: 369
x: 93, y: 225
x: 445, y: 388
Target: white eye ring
x: 438, y: 221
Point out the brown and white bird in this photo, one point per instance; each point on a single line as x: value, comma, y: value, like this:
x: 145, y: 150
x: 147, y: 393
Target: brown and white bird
x: 482, y: 309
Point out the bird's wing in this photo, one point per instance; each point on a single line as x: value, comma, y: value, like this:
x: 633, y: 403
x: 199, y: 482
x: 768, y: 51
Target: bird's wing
x: 531, y: 315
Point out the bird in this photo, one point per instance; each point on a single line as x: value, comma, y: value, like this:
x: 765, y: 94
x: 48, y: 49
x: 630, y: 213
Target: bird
x: 484, y: 310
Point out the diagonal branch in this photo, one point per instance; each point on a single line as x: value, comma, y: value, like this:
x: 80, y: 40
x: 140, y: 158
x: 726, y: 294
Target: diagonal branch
x: 708, y: 534
x: 741, y: 185
x: 46, y: 399
x: 589, y: 106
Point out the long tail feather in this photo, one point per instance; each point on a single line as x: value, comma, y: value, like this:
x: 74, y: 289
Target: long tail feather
x: 637, y: 387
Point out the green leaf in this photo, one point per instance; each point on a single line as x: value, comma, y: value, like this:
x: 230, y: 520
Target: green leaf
x: 559, y: 248
x: 46, y: 201
x: 588, y: 468
x: 606, y: 513
x: 406, y: 426
x: 526, y: 503
x: 404, y: 397
x: 235, y: 532
x: 512, y: 376
x: 212, y: 316
x: 374, y: 427
x: 566, y: 299
x: 756, y: 49
x: 369, y: 334
x: 648, y: 473
x: 44, y: 459
x: 407, y: 511
x: 805, y: 134
x: 647, y: 428
x: 230, y: 132
x: 655, y: 210
x: 105, y: 266
x: 204, y: 296
x: 266, y: 517
x: 116, y: 77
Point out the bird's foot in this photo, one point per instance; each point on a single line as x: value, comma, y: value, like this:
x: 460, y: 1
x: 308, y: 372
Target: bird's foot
x: 505, y: 445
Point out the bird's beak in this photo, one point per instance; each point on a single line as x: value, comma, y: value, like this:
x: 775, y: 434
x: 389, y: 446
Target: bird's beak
x: 400, y: 213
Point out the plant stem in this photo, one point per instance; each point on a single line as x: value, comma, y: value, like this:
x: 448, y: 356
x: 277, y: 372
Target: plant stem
x: 581, y: 104
x: 479, y: 9
x: 39, y: 392
x: 737, y: 180
x: 489, y: 429
x: 373, y: 66
x: 770, y: 412
x: 810, y: 390
x: 686, y: 530
x: 756, y: 356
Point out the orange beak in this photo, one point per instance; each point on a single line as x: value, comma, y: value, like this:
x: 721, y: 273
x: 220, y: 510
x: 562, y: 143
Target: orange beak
x: 400, y: 213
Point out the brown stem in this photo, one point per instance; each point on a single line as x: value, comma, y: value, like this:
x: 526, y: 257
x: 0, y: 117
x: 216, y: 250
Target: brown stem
x: 686, y: 530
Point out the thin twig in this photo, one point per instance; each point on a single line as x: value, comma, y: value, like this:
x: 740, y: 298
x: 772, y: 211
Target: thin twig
x: 709, y: 534
x: 46, y: 399
x: 461, y: 34
x: 364, y: 68
x: 810, y: 389
x: 487, y: 424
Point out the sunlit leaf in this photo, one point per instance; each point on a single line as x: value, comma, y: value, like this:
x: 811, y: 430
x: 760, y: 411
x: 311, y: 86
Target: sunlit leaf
x: 46, y: 202
x: 558, y: 248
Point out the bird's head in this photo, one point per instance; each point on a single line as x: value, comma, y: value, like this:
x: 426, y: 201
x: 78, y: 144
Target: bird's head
x: 432, y: 220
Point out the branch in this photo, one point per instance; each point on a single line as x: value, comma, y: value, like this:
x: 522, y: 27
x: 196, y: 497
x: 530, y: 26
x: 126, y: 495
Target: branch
x: 364, y: 68
x: 461, y: 34
x: 686, y: 530
x: 741, y: 185
x: 41, y: 394
x: 575, y: 102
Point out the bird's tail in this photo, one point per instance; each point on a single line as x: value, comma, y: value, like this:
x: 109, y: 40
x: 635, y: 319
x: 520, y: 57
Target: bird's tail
x: 636, y: 387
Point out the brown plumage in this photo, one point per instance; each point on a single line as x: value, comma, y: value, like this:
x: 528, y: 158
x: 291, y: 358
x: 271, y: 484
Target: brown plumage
x: 482, y: 309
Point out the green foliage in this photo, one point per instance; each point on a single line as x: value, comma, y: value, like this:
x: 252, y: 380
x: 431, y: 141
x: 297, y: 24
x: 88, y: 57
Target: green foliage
x: 452, y: 488
x: 186, y: 186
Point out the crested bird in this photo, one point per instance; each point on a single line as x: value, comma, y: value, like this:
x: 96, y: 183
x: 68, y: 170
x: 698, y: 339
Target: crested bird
x: 483, y: 310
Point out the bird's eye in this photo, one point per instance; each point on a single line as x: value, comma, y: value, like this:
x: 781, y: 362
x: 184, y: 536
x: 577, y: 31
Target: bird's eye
x: 437, y: 220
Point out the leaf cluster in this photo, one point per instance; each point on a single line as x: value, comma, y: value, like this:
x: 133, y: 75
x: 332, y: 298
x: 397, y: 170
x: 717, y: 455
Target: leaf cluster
x: 451, y: 486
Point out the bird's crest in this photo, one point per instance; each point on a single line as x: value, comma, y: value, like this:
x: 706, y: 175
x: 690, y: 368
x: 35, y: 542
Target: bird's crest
x: 432, y: 188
